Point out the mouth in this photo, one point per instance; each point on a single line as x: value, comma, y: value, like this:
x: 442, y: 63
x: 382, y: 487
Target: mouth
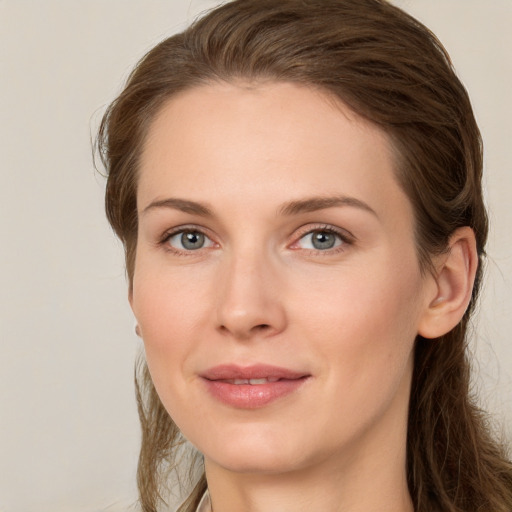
x: 255, y: 373
x: 252, y: 387
x: 252, y: 382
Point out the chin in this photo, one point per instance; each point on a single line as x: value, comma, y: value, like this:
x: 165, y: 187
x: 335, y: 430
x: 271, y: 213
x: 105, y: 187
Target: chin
x: 253, y: 451
x: 255, y: 461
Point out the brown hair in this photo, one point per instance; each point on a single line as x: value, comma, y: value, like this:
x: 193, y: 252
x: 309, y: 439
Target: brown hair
x: 393, y: 71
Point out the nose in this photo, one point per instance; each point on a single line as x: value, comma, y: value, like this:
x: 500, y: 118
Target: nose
x: 250, y: 299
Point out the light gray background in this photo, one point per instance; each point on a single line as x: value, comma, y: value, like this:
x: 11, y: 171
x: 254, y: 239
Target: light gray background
x: 68, y: 427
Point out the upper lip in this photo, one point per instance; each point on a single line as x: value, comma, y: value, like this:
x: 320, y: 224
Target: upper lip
x: 255, y: 371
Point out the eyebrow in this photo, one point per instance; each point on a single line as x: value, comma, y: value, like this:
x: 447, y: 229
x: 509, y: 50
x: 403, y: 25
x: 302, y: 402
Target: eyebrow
x: 183, y: 205
x: 307, y: 205
x: 314, y: 204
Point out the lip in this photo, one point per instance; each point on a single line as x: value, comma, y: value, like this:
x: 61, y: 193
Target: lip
x: 219, y: 381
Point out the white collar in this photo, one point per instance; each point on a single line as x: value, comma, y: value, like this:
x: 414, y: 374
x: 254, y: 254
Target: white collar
x: 204, y: 504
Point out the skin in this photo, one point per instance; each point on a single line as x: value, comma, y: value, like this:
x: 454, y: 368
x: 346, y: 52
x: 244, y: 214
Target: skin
x: 258, y: 291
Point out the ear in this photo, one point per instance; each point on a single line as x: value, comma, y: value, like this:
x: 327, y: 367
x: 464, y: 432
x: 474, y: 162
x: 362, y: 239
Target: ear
x: 130, y: 300
x: 454, y: 278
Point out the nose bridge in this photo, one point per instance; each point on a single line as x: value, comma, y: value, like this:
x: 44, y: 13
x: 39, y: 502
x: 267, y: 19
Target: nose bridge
x: 249, y: 301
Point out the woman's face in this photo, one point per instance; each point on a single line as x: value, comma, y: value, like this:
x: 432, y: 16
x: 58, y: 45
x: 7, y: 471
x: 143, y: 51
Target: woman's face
x: 276, y: 283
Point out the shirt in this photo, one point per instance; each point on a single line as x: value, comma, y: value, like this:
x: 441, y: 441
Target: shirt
x: 204, y: 504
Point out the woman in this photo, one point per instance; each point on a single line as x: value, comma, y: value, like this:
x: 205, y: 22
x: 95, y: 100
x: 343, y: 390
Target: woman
x: 297, y: 187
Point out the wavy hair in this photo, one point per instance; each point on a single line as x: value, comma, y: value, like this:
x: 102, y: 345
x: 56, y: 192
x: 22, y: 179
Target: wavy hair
x: 390, y: 69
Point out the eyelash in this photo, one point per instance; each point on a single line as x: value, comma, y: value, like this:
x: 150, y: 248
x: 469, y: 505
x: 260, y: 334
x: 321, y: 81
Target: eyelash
x: 180, y: 230
x: 345, y: 237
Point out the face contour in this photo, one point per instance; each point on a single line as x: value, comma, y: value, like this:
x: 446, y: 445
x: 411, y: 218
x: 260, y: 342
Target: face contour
x: 276, y: 286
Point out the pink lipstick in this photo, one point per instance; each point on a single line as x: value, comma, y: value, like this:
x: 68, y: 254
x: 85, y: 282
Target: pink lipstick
x: 251, y: 387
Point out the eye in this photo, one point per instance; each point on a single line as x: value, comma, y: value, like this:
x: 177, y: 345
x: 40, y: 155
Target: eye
x: 320, y: 240
x: 188, y: 240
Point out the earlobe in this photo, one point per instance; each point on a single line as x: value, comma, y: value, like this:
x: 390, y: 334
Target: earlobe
x: 454, y: 278
x: 136, y: 327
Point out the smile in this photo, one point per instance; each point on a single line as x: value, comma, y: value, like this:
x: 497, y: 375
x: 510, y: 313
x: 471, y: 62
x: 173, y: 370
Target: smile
x: 252, y: 382
x: 251, y: 387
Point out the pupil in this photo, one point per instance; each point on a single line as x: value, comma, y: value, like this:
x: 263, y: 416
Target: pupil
x: 192, y: 240
x: 323, y: 240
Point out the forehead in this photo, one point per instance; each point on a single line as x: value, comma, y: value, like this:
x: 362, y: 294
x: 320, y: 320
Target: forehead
x: 264, y: 140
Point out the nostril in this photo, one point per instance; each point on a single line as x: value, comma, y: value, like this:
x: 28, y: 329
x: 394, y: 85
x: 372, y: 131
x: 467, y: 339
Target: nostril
x: 243, y: 333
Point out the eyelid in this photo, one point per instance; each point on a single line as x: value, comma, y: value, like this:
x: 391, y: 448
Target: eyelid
x: 346, y: 236
x: 167, y: 235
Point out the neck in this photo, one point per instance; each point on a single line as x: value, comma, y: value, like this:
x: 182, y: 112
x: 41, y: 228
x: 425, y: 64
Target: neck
x: 369, y: 479
x: 305, y: 492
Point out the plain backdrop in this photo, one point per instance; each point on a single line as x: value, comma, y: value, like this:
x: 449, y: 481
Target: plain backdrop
x: 68, y: 427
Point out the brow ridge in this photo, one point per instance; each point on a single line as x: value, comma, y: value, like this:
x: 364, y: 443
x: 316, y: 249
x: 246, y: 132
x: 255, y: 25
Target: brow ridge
x: 295, y: 207
x: 183, y: 205
x: 313, y: 204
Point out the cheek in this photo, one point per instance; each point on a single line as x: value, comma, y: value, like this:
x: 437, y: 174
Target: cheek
x: 363, y: 329
x: 365, y: 320
x: 167, y: 316
x: 169, y: 309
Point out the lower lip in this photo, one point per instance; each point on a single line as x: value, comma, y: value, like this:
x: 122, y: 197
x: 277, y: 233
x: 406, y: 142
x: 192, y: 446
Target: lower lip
x: 247, y: 396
